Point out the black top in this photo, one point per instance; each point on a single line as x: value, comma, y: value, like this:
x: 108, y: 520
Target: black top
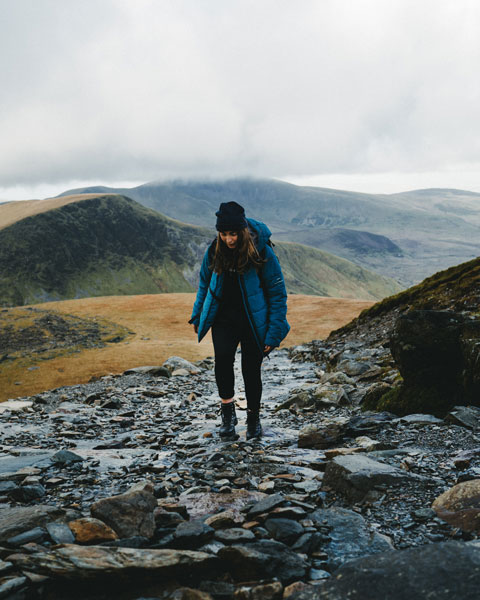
x: 231, y: 302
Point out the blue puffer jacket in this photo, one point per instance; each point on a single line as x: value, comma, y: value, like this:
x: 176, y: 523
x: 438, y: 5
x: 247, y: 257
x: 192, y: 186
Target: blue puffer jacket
x: 264, y: 296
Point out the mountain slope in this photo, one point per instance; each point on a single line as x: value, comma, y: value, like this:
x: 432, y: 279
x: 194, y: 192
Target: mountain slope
x: 110, y: 245
x: 429, y: 236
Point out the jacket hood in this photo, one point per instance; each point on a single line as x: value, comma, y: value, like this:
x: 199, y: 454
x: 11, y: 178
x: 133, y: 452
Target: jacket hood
x: 260, y: 233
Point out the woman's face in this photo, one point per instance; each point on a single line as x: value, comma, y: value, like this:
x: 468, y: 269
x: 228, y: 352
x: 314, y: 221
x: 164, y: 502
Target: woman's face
x: 229, y: 238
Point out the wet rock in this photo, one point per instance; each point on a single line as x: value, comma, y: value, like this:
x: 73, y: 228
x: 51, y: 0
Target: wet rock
x: 354, y: 475
x: 284, y: 530
x: 218, y: 589
x: 264, y: 591
x: 128, y: 514
x: 222, y: 520
x: 176, y: 362
x: 420, y: 419
x: 465, y: 416
x: 372, y: 396
x: 91, y: 562
x: 266, y: 504
x: 460, y: 506
x: 309, y: 542
x: 91, y: 531
x: 199, y: 505
x: 155, y: 371
x: 353, y: 367
x: 437, y: 571
x: 19, y: 519
x: 234, y: 535
x: 60, y: 533
x: 264, y: 559
x: 27, y: 493
x: 65, y: 458
x: 314, y: 436
x: 10, y: 585
x: 192, y: 534
x: 37, y: 535
x: 185, y: 593
x: 349, y: 536
x: 369, y: 423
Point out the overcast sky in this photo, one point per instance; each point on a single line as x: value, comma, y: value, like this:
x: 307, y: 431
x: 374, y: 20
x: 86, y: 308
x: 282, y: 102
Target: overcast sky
x: 368, y: 95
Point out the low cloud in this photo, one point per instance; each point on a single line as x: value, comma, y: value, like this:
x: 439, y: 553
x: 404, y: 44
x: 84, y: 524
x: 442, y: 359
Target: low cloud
x: 112, y: 90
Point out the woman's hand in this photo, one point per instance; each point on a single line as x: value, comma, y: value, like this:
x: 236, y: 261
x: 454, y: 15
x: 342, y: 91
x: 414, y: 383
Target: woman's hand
x: 267, y: 349
x: 195, y: 328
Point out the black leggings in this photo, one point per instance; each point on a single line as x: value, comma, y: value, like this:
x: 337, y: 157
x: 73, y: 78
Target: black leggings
x: 226, y: 335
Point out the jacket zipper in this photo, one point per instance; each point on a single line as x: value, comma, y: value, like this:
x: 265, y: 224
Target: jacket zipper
x: 247, y: 310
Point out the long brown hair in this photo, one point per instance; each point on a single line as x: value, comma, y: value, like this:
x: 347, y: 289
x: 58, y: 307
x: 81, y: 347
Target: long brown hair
x: 240, y: 258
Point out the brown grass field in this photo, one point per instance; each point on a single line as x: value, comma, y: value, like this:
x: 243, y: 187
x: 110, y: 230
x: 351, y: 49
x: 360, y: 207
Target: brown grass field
x: 11, y: 212
x: 161, y: 329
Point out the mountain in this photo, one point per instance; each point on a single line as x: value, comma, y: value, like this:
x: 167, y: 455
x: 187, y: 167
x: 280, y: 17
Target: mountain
x: 106, y: 244
x: 422, y: 232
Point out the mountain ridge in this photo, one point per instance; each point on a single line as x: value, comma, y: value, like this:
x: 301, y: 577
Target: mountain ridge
x: 431, y: 237
x: 108, y: 245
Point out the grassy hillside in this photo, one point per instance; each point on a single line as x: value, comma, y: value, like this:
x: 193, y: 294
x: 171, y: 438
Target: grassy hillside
x: 110, y: 245
x: 312, y: 271
x: 457, y: 288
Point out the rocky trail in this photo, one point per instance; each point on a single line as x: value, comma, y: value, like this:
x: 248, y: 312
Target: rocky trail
x: 122, y: 488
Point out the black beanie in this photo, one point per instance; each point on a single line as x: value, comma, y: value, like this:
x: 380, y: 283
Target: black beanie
x: 230, y: 217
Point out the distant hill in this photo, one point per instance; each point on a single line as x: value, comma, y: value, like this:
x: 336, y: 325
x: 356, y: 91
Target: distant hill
x: 106, y: 244
x: 423, y: 231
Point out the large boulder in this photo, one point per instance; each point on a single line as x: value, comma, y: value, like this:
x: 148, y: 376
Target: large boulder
x: 438, y: 355
x: 350, y: 536
x: 355, y: 475
x: 437, y: 572
x: 129, y: 514
x: 460, y: 506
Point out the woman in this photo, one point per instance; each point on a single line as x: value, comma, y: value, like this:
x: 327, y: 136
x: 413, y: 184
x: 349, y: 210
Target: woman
x: 242, y: 297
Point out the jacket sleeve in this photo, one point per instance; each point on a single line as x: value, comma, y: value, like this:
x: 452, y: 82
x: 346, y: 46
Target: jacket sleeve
x: 205, y: 276
x: 276, y: 295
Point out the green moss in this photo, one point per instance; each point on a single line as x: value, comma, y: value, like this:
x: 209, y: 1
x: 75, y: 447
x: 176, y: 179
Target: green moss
x: 404, y: 400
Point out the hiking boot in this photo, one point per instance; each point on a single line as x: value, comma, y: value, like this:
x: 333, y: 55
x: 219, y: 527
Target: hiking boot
x: 254, y: 428
x: 229, y: 419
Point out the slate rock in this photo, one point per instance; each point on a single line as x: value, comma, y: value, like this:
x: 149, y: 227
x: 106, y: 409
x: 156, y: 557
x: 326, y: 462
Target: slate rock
x: 284, y: 530
x: 128, y: 514
x: 355, y: 474
x: 266, y: 504
x: 349, y: 536
x: 156, y: 371
x: 313, y: 436
x: 465, y: 416
x: 10, y: 585
x: 222, y: 520
x: 18, y: 519
x: 176, y: 362
x: 88, y: 530
x: 185, y: 593
x: 436, y: 571
x: 369, y: 423
x: 65, y: 458
x: 234, y: 535
x: 27, y: 493
x: 263, y: 559
x: 199, y: 505
x: 192, y: 534
x: 37, y: 535
x: 420, y: 419
x: 97, y: 562
x: 60, y: 533
x: 460, y: 506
